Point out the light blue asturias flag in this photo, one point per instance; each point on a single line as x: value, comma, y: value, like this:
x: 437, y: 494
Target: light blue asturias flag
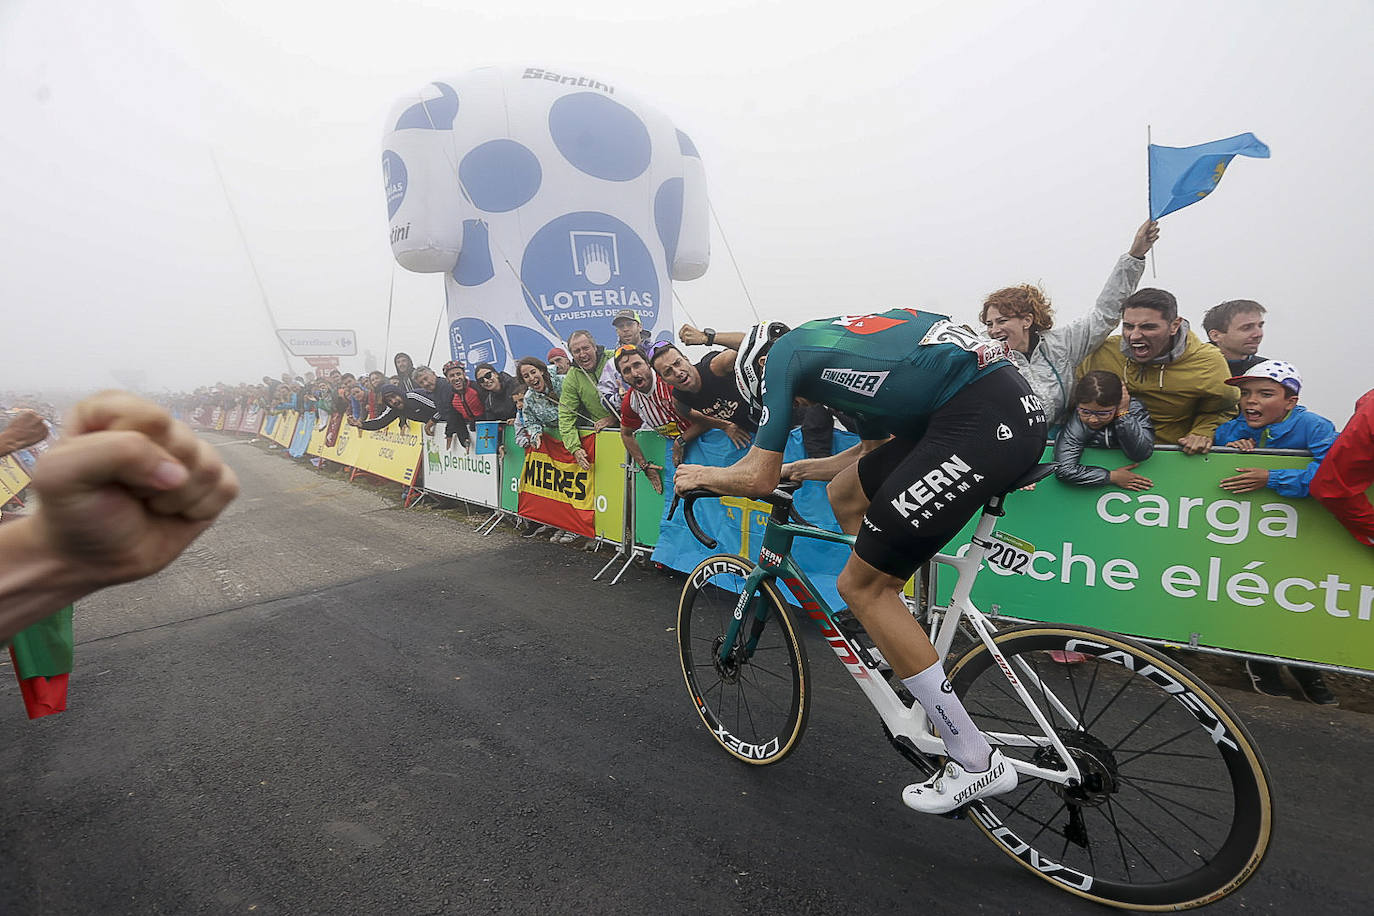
x: 487, y: 439
x: 1180, y: 176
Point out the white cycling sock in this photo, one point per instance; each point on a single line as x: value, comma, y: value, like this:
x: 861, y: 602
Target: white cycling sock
x: 963, y: 740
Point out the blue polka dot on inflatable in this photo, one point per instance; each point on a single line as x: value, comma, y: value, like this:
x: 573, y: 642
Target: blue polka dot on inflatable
x: 668, y: 217
x: 599, y: 136
x: 474, y: 261
x: 500, y: 175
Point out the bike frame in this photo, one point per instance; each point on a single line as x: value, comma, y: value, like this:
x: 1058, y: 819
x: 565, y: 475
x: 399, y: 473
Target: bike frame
x: 911, y: 723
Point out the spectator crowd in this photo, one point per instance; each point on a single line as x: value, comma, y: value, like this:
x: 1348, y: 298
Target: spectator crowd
x: 1153, y: 383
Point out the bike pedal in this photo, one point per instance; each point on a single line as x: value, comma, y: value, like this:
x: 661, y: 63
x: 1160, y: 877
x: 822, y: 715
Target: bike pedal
x: 926, y: 765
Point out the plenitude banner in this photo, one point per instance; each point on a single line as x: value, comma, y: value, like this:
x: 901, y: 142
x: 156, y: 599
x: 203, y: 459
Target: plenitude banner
x: 555, y: 491
x: 451, y: 470
x: 1188, y: 560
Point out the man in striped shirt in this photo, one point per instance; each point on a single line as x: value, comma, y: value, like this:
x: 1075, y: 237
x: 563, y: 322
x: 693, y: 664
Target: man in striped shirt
x: 648, y: 403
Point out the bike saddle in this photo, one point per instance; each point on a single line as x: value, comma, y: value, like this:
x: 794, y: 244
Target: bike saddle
x: 1034, y: 475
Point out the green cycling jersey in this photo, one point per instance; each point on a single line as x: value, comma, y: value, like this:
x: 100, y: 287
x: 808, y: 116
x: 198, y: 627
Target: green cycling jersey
x: 890, y: 370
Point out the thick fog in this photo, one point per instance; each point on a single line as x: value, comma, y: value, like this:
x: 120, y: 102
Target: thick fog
x: 177, y: 175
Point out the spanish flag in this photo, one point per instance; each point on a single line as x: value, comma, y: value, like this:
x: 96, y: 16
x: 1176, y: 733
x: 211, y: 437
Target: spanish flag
x: 555, y: 491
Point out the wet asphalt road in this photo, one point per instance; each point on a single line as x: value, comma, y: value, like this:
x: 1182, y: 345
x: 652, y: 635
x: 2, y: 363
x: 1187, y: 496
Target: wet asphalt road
x: 333, y: 705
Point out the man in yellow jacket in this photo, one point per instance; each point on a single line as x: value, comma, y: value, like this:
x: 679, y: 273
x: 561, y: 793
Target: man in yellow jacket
x: 1180, y: 380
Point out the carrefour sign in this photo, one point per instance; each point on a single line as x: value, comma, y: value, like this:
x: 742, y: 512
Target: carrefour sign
x: 319, y: 343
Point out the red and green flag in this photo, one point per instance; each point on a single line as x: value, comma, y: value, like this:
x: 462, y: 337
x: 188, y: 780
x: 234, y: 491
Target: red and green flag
x: 42, y: 656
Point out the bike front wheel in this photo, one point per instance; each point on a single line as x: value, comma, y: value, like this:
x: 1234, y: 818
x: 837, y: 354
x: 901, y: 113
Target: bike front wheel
x: 1174, y: 809
x: 754, y: 696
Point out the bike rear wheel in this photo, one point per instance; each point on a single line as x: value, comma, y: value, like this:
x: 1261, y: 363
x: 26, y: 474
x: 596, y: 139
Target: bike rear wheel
x: 1174, y: 810
x: 755, y: 702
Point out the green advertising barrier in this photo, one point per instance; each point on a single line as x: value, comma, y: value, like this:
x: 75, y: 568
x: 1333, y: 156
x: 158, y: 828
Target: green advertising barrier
x: 1187, y: 561
x: 608, y: 483
x: 648, y: 504
x: 511, y: 466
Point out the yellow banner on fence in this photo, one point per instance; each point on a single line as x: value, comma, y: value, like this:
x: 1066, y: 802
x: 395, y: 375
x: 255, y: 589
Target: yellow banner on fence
x: 318, y: 435
x: 392, y: 453
x: 285, y: 428
x: 13, y: 478
x: 345, y: 448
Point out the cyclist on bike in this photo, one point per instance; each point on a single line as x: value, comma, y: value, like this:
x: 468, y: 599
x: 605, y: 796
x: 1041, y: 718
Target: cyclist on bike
x: 946, y: 422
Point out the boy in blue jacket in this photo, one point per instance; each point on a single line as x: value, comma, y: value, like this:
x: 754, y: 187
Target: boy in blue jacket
x: 1270, y: 417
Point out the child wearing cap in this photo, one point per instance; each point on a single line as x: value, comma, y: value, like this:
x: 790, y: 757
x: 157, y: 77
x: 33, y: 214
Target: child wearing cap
x: 1270, y: 417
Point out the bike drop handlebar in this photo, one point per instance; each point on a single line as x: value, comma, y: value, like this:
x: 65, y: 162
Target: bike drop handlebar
x: 781, y: 495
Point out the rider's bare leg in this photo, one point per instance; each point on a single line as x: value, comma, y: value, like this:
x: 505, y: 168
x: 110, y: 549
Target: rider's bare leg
x: 874, y: 597
x: 847, y: 499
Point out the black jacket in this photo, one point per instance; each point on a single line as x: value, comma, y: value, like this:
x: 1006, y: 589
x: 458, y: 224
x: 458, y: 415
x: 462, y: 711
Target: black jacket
x: 418, y: 405
x: 499, y: 404
x: 1133, y: 434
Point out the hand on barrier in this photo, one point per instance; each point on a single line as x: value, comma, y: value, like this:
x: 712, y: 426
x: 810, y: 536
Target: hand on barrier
x: 1126, y: 478
x: 1195, y: 444
x: 1242, y: 445
x: 603, y: 423
x: 1246, y: 480
x: 580, y: 456
x: 738, y: 435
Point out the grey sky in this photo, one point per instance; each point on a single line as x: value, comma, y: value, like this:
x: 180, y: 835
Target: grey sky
x: 858, y: 156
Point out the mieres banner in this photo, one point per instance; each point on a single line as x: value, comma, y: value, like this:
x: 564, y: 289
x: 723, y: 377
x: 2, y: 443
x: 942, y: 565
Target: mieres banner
x: 554, y: 490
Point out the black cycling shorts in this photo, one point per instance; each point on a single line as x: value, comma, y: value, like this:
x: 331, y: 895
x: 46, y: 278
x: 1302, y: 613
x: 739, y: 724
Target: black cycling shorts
x: 922, y: 493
